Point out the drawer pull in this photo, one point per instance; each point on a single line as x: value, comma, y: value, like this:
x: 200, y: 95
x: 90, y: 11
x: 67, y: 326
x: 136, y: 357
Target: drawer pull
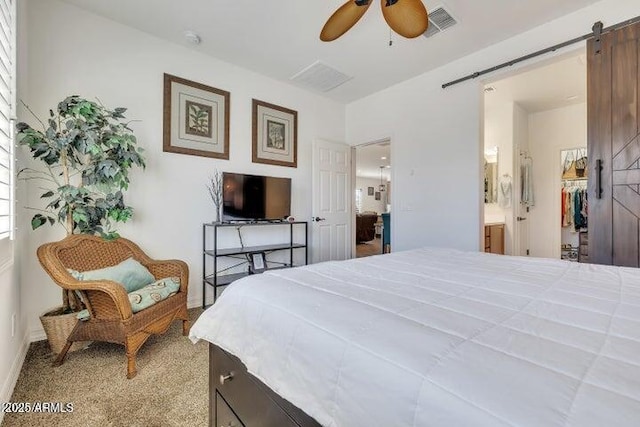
x: 225, y: 378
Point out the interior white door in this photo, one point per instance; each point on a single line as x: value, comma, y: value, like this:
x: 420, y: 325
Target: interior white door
x: 521, y: 210
x: 332, y: 202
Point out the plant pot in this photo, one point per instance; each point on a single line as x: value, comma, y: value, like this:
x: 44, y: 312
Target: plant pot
x: 58, y: 327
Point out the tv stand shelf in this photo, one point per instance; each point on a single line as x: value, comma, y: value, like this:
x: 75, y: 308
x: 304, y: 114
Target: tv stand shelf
x: 251, y: 249
x: 211, y: 252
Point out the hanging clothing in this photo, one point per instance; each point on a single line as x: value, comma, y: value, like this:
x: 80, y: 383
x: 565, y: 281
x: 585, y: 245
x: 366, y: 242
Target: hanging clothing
x: 504, y: 192
x: 574, y: 208
x: 526, y: 182
x: 567, y: 207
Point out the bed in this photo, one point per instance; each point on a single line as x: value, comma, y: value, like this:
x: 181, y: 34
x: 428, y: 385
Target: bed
x: 429, y: 337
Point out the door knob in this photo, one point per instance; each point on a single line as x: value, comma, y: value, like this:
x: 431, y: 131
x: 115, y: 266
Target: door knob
x: 318, y: 219
x: 520, y: 218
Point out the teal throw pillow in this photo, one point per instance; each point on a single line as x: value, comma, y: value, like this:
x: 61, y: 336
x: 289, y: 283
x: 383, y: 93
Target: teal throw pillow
x: 129, y: 273
x: 153, y: 293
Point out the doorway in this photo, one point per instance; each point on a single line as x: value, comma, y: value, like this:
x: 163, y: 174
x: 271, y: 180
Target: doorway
x: 372, y: 198
x: 536, y: 129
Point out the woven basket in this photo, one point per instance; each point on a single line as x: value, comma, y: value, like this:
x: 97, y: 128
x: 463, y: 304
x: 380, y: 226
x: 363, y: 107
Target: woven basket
x: 58, y: 327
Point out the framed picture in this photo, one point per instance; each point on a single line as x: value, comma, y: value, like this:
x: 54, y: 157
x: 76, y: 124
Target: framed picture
x: 377, y: 195
x: 257, y: 262
x: 196, y: 119
x: 275, y: 135
x: 370, y: 191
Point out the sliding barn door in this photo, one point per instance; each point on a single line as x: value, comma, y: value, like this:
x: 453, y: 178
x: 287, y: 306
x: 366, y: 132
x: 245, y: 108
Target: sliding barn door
x: 614, y: 148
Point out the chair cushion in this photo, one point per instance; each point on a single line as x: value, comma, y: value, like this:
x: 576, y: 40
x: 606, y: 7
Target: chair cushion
x: 153, y: 293
x: 147, y: 296
x: 129, y: 273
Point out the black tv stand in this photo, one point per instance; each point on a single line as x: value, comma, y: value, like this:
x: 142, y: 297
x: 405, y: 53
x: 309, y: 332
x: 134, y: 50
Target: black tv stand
x: 215, y: 277
x: 254, y: 221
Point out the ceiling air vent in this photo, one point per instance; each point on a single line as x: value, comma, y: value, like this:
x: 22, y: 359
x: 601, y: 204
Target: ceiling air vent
x: 320, y: 77
x: 439, y: 20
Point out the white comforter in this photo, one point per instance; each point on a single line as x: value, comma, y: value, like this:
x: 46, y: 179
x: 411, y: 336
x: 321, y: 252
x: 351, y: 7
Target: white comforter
x: 441, y: 338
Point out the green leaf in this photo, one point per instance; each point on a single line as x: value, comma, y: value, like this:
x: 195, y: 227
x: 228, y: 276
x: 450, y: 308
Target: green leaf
x: 37, y: 221
x: 47, y: 194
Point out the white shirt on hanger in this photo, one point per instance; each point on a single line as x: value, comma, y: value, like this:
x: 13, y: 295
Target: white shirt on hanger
x: 504, y: 191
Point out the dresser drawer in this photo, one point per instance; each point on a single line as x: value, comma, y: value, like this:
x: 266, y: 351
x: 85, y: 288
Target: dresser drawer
x: 245, y: 396
x: 583, y: 237
x: 494, y: 239
x: 224, y: 415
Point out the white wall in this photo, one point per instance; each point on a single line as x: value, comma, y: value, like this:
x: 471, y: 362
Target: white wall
x: 549, y: 133
x: 369, y: 203
x: 74, y: 52
x: 499, y: 132
x: 437, y: 134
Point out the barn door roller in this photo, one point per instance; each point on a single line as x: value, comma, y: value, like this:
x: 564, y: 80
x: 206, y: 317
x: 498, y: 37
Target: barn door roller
x: 597, y: 37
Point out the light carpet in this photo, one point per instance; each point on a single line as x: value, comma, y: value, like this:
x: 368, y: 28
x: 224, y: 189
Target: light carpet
x: 171, y: 388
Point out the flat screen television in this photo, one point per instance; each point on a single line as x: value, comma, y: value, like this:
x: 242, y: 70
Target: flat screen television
x: 254, y: 197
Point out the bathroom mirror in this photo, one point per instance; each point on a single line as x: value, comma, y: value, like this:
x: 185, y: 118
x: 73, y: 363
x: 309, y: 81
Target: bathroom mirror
x: 491, y: 175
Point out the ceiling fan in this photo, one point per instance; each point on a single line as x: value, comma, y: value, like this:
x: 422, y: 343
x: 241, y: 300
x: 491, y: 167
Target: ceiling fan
x: 409, y: 18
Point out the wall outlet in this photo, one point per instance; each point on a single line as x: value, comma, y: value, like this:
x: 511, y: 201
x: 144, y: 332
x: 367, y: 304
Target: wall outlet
x: 13, y: 325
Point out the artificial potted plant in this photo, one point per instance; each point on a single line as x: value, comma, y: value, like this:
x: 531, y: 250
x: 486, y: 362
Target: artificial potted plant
x: 87, y: 151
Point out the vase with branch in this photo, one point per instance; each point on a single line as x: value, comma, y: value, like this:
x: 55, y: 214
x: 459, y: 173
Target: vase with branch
x: 87, y: 151
x: 214, y: 186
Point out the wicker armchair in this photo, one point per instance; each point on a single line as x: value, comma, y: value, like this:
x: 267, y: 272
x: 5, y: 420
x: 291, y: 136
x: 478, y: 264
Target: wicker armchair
x: 111, y: 318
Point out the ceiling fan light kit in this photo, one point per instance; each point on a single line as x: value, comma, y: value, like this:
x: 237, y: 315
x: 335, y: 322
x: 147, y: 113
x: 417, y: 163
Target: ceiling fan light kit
x: 409, y: 18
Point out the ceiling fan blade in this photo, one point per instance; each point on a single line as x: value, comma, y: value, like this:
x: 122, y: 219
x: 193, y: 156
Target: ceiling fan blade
x: 409, y: 18
x: 343, y: 19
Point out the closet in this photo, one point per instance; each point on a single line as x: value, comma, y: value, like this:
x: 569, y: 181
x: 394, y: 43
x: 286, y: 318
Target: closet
x: 574, y: 205
x: 614, y: 147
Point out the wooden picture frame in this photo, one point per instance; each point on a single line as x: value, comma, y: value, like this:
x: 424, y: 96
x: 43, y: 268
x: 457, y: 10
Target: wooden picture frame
x: 257, y: 262
x: 196, y: 119
x: 275, y: 134
x: 378, y: 195
x: 370, y: 191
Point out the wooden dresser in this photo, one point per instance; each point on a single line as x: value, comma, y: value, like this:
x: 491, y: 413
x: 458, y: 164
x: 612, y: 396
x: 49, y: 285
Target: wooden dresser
x: 583, y: 247
x: 238, y: 399
x: 494, y: 238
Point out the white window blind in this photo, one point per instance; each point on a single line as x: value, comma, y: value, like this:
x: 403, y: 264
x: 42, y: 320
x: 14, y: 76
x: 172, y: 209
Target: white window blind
x: 7, y: 113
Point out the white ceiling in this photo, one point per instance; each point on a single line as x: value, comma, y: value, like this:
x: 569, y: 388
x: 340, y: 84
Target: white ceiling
x: 369, y: 158
x: 554, y: 84
x: 279, y: 38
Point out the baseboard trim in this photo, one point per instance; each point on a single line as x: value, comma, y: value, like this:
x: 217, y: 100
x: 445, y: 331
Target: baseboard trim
x: 14, y: 372
x: 37, y: 335
x: 194, y: 303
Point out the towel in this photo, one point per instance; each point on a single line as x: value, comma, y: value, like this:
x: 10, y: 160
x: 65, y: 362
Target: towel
x: 526, y: 178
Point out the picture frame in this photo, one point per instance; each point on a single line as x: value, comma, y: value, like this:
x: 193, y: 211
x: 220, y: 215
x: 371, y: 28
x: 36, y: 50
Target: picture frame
x: 370, y: 191
x: 275, y: 134
x: 378, y: 195
x: 257, y: 262
x: 195, y: 118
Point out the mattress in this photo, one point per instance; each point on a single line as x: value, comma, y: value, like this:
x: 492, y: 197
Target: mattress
x: 435, y: 337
